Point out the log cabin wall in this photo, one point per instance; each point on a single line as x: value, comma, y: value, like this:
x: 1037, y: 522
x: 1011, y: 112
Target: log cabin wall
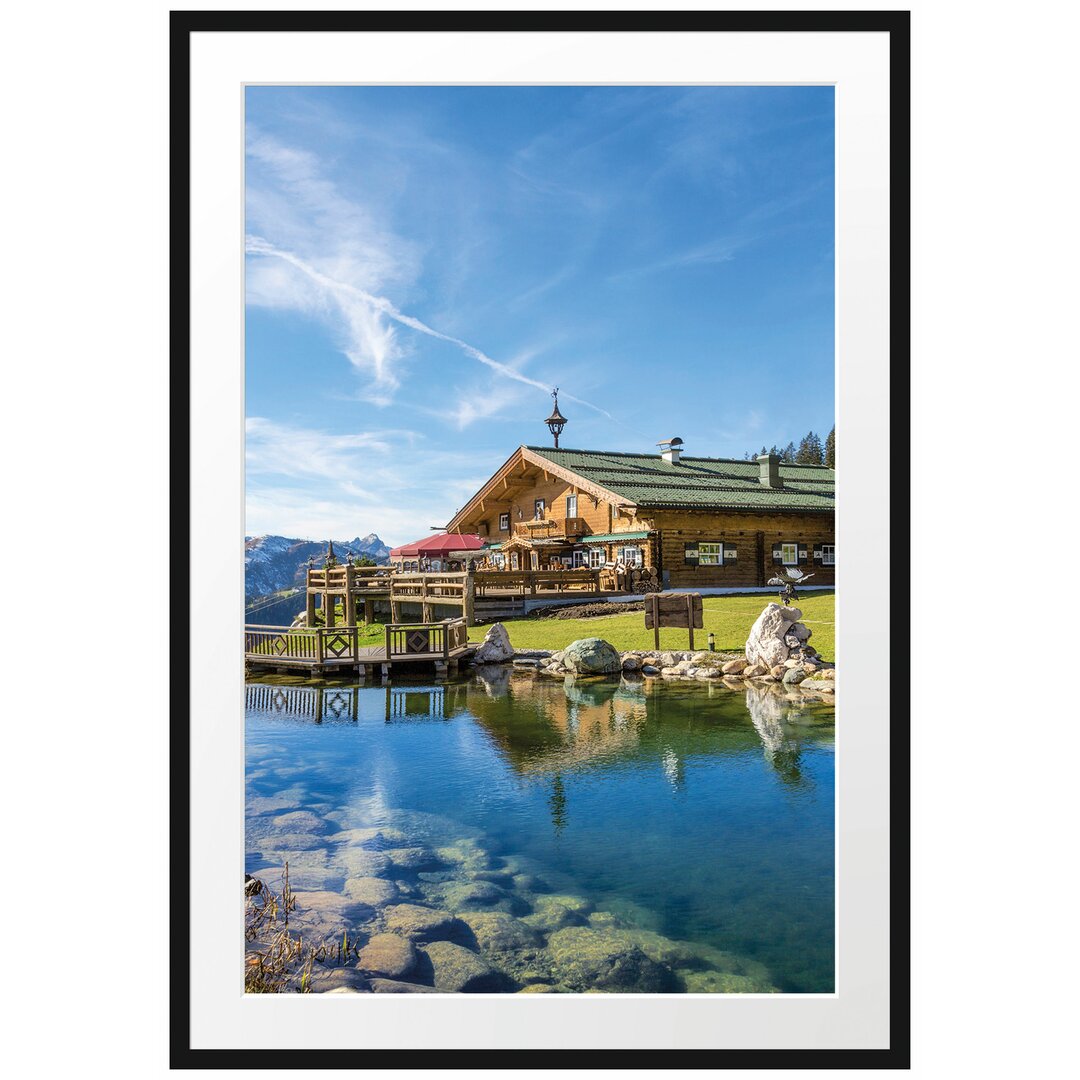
x: 749, y: 541
x: 599, y: 518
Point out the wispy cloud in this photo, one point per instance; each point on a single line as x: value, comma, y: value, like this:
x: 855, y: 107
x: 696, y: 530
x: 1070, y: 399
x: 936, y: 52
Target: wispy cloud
x: 359, y: 305
x: 284, y: 450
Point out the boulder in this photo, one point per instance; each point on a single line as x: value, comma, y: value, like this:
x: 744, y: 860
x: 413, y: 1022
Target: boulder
x: 496, y: 647
x: 457, y: 970
x: 649, y: 669
x: 631, y: 663
x: 388, y: 955
x: 592, y: 656
x: 413, y: 858
x: 421, y: 923
x: 754, y: 671
x: 793, y: 676
x: 589, y: 959
x: 766, y: 641
x: 734, y: 667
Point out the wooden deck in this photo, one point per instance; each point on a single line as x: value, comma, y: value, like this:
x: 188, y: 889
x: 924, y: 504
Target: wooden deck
x: 337, y: 649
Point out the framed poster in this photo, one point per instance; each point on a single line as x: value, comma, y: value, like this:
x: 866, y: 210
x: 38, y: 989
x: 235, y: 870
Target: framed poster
x: 396, y: 237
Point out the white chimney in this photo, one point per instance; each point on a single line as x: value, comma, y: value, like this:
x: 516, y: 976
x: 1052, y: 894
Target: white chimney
x: 670, y: 449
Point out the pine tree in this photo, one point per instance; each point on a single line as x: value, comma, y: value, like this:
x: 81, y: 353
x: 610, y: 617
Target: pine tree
x: 788, y: 453
x: 810, y: 451
x: 830, y: 448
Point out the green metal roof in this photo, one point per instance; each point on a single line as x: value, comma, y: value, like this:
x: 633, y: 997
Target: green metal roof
x: 609, y: 538
x: 698, y: 482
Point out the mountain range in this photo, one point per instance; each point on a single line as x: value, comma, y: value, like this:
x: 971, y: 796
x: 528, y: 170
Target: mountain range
x: 273, y: 563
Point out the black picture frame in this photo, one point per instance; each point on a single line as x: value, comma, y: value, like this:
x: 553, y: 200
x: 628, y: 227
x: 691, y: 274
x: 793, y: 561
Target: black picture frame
x: 182, y: 25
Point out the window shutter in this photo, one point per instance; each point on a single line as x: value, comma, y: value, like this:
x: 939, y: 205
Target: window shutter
x: 690, y: 557
x: 731, y: 553
x: 802, y: 553
x: 817, y: 555
x: 778, y: 555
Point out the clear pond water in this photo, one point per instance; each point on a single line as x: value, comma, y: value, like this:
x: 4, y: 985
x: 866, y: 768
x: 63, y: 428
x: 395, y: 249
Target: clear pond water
x: 692, y: 822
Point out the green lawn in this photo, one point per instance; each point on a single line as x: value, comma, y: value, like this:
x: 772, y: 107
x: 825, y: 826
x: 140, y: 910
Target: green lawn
x: 728, y: 617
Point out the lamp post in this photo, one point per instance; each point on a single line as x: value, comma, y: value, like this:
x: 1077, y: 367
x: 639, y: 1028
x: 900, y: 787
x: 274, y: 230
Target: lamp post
x: 712, y: 642
x: 556, y: 421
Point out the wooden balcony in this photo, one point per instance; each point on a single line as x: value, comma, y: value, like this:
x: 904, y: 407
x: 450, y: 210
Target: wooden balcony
x: 551, y: 528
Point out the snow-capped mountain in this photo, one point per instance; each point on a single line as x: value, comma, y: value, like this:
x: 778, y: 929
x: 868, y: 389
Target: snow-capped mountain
x: 272, y: 563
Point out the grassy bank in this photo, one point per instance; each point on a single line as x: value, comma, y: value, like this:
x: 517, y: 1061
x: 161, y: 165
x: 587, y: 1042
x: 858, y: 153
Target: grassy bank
x: 728, y: 617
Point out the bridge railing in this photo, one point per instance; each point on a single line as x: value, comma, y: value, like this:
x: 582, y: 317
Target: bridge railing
x: 417, y: 640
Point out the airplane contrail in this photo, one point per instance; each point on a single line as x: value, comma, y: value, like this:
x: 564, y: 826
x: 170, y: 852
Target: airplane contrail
x: 256, y: 245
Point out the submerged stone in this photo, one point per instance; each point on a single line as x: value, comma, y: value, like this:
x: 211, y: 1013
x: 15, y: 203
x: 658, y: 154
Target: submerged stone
x: 459, y: 971
x: 588, y: 959
x: 391, y: 986
x: 388, y: 955
x: 421, y: 923
x: 373, y: 891
x: 498, y: 932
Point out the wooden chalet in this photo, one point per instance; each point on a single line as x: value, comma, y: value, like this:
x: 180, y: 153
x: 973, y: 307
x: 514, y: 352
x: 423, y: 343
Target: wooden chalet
x: 696, y: 522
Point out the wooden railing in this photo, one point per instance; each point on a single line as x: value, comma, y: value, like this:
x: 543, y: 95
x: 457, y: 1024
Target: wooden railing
x: 317, y: 645
x: 537, y: 581
x: 435, y: 588
x: 425, y: 640
x: 350, y: 578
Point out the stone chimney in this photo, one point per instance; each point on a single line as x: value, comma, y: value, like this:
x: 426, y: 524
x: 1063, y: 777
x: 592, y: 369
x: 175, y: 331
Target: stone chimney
x: 770, y: 470
x: 670, y: 449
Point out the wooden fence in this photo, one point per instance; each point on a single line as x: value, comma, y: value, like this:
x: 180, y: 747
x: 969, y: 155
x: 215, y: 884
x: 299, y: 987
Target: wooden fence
x: 427, y: 640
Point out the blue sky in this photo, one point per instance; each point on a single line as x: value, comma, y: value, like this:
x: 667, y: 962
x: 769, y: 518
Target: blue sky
x: 425, y: 263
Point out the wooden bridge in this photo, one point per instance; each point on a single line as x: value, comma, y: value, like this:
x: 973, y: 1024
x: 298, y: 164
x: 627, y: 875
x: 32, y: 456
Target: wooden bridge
x: 337, y: 650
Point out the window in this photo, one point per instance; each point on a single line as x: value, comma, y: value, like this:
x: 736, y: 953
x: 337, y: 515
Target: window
x: 789, y: 554
x: 631, y: 556
x: 504, y: 523
x: 710, y: 554
x: 567, y: 561
x: 515, y: 562
x: 534, y: 560
x: 828, y: 554
x: 538, y: 510
x: 499, y: 559
x: 571, y: 506
x: 596, y: 557
x: 579, y: 558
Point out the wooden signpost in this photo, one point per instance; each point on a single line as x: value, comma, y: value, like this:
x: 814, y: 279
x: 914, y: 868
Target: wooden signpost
x: 673, y: 609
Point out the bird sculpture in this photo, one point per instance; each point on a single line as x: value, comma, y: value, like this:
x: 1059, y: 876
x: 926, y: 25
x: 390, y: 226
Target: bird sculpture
x: 792, y: 576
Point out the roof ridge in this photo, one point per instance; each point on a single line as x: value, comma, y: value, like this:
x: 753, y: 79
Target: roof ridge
x: 685, y: 457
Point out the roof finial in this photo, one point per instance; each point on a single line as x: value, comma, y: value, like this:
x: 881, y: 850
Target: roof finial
x: 331, y: 558
x: 556, y: 421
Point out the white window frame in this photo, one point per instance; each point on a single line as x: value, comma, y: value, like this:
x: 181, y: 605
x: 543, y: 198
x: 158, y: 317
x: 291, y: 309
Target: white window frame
x: 534, y: 560
x: 631, y: 556
x: 504, y: 522
x: 828, y: 554
x: 571, y: 506
x: 515, y: 561
x: 783, y: 553
x: 597, y: 557
x: 714, y: 557
x: 579, y: 559
x: 539, y: 509
x: 499, y: 560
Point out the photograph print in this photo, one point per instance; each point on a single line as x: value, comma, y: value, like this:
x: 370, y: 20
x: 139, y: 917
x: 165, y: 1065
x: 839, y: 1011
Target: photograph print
x: 540, y: 563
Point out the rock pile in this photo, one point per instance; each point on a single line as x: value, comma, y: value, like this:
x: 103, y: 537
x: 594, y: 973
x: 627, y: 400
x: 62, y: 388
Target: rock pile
x: 778, y: 650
